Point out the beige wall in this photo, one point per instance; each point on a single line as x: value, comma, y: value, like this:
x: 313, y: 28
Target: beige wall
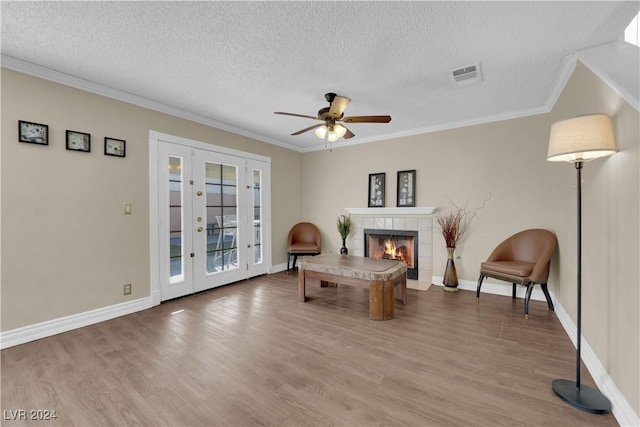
x: 66, y: 246
x: 503, y: 160
x: 508, y: 160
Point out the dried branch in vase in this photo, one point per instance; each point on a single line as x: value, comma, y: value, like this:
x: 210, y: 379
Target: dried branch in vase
x: 455, y: 223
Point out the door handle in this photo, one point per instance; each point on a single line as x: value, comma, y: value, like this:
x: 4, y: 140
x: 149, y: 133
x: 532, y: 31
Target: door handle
x: 199, y: 229
x: 199, y: 193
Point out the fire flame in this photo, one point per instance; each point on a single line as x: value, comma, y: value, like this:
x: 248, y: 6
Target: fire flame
x: 389, y: 248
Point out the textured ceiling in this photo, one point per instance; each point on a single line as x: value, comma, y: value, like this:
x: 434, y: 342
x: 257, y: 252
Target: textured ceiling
x: 235, y: 63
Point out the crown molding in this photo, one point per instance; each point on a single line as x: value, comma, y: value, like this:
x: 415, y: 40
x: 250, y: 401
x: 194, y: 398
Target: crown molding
x: 14, y: 64
x: 11, y: 63
x: 562, y: 78
x: 616, y: 64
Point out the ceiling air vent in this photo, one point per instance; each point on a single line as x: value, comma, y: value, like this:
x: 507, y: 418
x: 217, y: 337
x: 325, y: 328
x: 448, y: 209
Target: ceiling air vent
x: 466, y: 75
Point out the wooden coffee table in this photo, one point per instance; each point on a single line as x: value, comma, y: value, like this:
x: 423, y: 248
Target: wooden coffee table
x: 384, y: 278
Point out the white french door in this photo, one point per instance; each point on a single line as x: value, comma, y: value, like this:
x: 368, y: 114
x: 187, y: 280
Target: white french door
x: 213, y: 217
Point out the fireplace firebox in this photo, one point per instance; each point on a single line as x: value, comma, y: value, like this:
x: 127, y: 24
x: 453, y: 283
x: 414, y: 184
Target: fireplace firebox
x: 401, y: 245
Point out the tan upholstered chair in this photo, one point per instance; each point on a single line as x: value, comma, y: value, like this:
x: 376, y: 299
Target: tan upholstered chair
x: 522, y: 259
x: 304, y: 239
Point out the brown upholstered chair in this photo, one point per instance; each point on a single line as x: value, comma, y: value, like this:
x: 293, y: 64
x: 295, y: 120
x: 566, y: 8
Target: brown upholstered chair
x: 522, y: 259
x: 304, y: 239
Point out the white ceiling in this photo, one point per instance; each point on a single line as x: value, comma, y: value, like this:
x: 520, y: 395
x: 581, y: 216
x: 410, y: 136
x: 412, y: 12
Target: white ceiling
x: 232, y: 64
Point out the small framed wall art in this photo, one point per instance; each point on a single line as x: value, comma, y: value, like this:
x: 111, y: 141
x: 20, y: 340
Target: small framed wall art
x: 78, y: 141
x: 406, y: 188
x: 114, y: 147
x: 34, y: 133
x: 376, y: 190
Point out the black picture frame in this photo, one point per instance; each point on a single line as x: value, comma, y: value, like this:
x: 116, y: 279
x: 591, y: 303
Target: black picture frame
x: 33, y: 133
x: 78, y: 141
x: 376, y: 193
x: 114, y: 147
x: 406, y: 192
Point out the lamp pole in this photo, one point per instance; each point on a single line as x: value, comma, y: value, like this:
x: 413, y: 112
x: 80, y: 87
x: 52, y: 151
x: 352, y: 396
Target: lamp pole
x: 575, y: 394
x: 579, y: 272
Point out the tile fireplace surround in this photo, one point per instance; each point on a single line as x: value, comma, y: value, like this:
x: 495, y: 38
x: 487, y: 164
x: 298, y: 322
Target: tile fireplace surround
x: 418, y: 219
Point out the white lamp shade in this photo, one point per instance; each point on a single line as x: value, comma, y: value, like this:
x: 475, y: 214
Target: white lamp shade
x: 340, y: 130
x: 321, y: 131
x: 333, y: 136
x: 581, y: 139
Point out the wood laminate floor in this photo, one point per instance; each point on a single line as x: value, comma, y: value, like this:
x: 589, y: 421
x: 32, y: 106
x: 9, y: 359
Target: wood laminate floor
x: 250, y: 354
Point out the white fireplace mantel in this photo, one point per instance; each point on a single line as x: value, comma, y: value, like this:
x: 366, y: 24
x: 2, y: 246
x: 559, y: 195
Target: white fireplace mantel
x: 382, y: 212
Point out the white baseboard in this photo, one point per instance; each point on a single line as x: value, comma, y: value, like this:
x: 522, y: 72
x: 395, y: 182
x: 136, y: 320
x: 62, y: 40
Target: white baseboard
x: 63, y: 324
x: 498, y: 289
x: 278, y: 268
x: 621, y: 409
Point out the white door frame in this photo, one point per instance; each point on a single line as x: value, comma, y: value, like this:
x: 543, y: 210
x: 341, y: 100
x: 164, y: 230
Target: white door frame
x: 154, y: 209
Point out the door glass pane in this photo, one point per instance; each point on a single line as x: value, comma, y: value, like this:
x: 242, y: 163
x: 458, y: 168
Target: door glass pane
x: 176, y: 246
x: 213, y: 174
x: 221, y: 210
x: 257, y: 216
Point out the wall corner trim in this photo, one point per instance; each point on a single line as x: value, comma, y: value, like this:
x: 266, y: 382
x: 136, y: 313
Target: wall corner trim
x: 562, y: 78
x: 617, y: 64
x: 63, y: 324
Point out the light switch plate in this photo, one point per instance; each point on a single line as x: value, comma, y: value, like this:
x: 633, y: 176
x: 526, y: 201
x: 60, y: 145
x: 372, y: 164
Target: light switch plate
x: 127, y: 208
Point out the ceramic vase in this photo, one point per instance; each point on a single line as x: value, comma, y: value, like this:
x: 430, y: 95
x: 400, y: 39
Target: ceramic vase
x: 343, y: 249
x: 450, y: 279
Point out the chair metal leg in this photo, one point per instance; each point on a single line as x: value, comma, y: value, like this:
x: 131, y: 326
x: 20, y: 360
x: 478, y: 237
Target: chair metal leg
x: 295, y: 258
x: 547, y: 296
x: 526, y: 300
x: 288, y: 259
x: 480, y: 279
x: 513, y: 291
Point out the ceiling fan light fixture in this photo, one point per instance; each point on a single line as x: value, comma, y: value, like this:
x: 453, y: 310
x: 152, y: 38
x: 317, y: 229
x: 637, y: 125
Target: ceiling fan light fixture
x: 321, y: 131
x: 330, y: 130
x: 339, y: 130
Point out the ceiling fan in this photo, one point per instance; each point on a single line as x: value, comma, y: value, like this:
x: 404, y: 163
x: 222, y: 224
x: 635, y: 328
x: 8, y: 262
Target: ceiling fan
x: 331, y: 116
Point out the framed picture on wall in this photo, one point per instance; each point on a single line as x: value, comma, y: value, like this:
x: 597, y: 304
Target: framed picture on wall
x: 33, y: 133
x: 406, y: 189
x: 114, y: 147
x: 376, y: 190
x: 78, y: 141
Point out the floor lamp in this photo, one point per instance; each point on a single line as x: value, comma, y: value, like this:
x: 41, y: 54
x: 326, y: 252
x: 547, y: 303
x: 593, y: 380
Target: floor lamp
x: 579, y: 140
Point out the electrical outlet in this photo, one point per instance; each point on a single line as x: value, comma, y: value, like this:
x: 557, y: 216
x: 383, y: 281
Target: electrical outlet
x: 127, y: 289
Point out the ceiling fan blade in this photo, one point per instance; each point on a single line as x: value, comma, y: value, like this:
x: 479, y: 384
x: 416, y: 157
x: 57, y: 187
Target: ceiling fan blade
x: 348, y: 134
x: 307, y: 129
x: 297, y: 115
x: 338, y: 106
x: 367, y: 119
